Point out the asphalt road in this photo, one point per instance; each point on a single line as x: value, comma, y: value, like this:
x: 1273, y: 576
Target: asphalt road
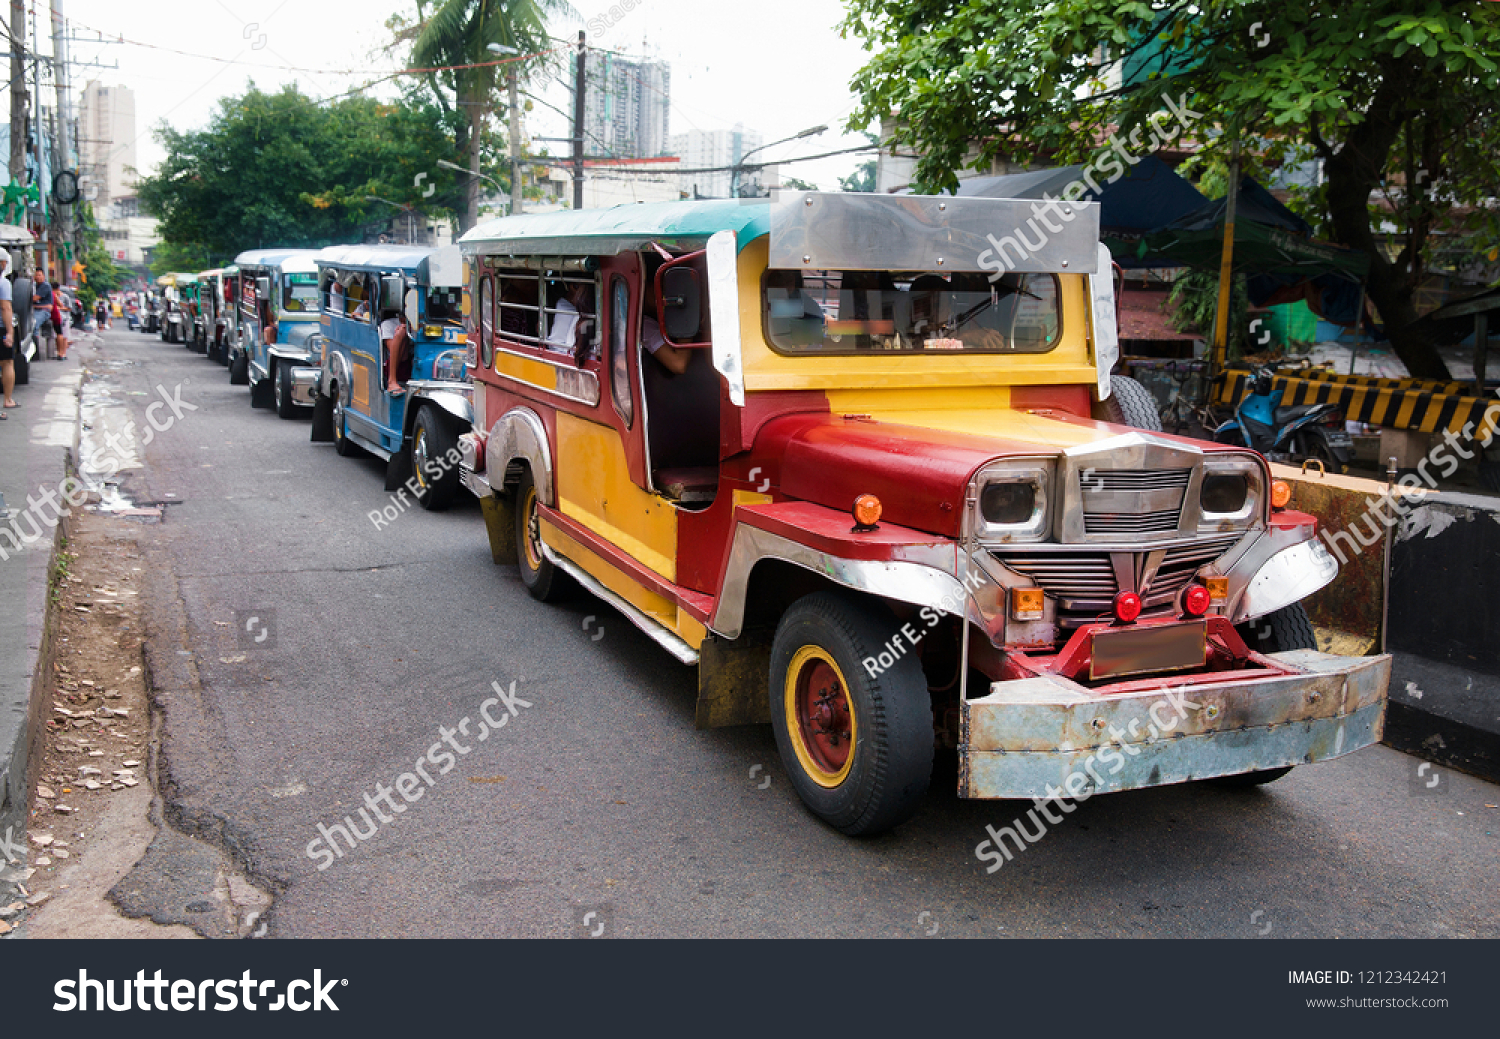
x: 600, y: 797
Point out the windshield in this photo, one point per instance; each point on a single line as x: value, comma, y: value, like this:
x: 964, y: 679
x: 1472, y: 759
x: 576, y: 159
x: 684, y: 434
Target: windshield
x: 301, y: 294
x: 843, y: 312
x: 444, y: 305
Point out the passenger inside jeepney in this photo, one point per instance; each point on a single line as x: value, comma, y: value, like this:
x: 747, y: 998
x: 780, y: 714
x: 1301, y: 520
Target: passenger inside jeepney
x: 572, y: 308
x: 395, y: 341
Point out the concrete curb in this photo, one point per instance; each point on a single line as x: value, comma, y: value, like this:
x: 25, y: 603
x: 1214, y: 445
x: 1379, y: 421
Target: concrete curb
x: 48, y: 420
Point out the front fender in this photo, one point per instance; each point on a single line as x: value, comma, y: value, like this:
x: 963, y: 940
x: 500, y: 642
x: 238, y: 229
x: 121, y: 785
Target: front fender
x: 337, y: 370
x: 455, y: 402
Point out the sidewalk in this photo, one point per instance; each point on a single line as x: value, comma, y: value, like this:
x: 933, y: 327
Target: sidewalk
x: 35, y: 441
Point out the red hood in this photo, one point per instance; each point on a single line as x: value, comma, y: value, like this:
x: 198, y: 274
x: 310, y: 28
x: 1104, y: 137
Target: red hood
x: 918, y: 474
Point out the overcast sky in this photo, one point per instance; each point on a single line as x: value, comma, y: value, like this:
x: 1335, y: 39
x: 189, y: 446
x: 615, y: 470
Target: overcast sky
x: 777, y: 66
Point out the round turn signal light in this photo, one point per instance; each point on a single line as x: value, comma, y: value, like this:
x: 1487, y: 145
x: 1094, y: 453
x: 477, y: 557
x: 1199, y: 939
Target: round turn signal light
x: 1127, y: 607
x: 1281, y: 493
x: 867, y: 510
x: 1196, y: 600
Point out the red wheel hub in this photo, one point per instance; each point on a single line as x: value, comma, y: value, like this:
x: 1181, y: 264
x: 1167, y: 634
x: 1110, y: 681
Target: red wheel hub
x: 823, y: 715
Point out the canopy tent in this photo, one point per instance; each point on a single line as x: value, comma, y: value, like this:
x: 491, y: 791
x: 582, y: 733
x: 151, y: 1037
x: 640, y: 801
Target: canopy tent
x: 1273, y: 246
x: 1149, y: 196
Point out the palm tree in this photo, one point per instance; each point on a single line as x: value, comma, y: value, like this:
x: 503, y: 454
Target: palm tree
x: 459, y: 32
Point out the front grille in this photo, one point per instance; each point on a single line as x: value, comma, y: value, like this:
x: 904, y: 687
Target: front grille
x: 1127, y: 502
x: 1072, y: 576
x: 1084, y: 583
x: 1125, y: 523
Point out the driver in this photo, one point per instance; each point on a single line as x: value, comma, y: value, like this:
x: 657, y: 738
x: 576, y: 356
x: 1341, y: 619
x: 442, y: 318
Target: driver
x: 673, y: 358
x: 396, y: 340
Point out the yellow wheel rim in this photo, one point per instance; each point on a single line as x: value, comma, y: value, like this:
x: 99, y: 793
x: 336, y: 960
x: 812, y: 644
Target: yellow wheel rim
x: 533, y: 530
x: 820, y: 717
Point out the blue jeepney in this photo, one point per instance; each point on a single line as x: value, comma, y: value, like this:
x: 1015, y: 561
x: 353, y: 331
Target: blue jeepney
x: 280, y: 286
x: 416, y: 431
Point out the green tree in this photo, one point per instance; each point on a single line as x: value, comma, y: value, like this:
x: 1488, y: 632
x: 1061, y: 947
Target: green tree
x: 1398, y: 99
x: 797, y: 184
x: 863, y: 177
x: 452, y: 37
x: 281, y: 170
x: 100, y: 274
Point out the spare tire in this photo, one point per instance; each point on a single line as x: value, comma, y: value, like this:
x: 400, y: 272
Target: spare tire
x: 1129, y: 404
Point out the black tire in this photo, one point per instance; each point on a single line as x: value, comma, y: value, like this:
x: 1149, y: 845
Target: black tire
x: 1286, y: 629
x: 239, y: 369
x: 1129, y: 404
x: 341, y: 442
x: 1319, y: 448
x: 545, y: 582
x: 887, y: 766
x: 433, y: 438
x: 1246, y: 780
x: 286, y: 407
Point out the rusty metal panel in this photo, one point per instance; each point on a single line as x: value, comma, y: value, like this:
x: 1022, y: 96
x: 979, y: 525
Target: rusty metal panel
x: 996, y: 774
x: 1026, y: 734
x: 1354, y: 534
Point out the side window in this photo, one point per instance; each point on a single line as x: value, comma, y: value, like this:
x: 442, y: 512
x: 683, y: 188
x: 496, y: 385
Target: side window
x: 520, y: 307
x: 486, y: 321
x: 619, y: 349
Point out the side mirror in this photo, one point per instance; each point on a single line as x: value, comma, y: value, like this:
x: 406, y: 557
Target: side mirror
x: 680, y: 304
x: 391, y: 287
x: 411, y: 311
x: 263, y: 288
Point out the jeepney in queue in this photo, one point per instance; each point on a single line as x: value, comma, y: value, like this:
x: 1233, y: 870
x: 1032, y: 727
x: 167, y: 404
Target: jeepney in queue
x: 280, y: 287
x: 893, y: 500
x: 219, y: 286
x: 415, y: 431
x: 177, y: 293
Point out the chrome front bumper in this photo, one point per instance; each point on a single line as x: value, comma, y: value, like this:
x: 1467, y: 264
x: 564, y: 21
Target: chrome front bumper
x: 1026, y: 738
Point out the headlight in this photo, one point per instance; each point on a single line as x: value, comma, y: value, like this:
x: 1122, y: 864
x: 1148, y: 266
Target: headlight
x: 1231, y: 493
x: 449, y: 366
x: 1013, y: 502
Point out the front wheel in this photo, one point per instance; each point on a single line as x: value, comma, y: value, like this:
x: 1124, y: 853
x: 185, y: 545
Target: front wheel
x: 856, y: 740
x: 434, y: 449
x: 1288, y: 628
x: 341, y: 442
x: 286, y: 406
x: 542, y: 579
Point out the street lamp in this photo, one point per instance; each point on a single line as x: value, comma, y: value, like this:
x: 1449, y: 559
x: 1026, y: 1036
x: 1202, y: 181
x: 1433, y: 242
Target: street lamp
x: 734, y: 173
x: 475, y: 173
x: 411, y: 230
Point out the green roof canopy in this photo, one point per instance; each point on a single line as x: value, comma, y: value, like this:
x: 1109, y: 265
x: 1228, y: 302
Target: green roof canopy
x: 623, y: 228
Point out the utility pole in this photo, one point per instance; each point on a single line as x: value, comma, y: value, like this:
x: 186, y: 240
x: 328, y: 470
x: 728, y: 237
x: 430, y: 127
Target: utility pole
x: 64, y: 154
x: 578, y: 124
x: 1226, y: 259
x: 17, y: 91
x: 515, y: 140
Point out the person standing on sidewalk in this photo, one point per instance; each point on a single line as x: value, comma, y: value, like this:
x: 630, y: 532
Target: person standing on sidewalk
x: 7, y: 340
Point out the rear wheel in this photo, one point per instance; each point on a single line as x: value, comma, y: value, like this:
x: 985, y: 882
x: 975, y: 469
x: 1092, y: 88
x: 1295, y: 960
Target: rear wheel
x: 433, y: 447
x: 1319, y: 448
x: 1129, y: 404
x: 857, y: 744
x: 542, y: 579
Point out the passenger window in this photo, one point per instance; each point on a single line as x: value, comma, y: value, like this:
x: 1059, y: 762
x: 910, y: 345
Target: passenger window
x: 520, y: 308
x: 619, y: 353
x: 486, y: 317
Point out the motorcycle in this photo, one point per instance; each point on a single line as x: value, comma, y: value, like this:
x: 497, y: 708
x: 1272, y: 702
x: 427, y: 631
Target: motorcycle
x: 1290, y: 433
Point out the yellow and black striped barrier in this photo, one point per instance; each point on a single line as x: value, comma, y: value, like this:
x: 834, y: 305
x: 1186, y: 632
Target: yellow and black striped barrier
x: 1406, y: 404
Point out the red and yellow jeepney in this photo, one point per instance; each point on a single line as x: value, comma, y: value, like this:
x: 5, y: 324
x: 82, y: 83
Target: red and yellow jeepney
x: 863, y: 462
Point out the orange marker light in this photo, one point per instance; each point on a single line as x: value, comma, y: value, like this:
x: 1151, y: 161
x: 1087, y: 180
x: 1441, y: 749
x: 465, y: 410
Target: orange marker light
x: 1026, y: 603
x: 1218, y: 587
x: 867, y: 510
x: 1281, y: 493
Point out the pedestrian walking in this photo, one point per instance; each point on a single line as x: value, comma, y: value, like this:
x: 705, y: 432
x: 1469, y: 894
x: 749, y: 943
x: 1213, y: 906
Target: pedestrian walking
x: 101, y: 314
x: 7, y: 340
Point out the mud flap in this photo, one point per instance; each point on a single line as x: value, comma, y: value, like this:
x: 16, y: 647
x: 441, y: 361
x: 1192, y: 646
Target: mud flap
x: 322, y: 420
x: 732, y: 677
x: 263, y: 394
x: 500, y: 524
x: 398, y: 469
